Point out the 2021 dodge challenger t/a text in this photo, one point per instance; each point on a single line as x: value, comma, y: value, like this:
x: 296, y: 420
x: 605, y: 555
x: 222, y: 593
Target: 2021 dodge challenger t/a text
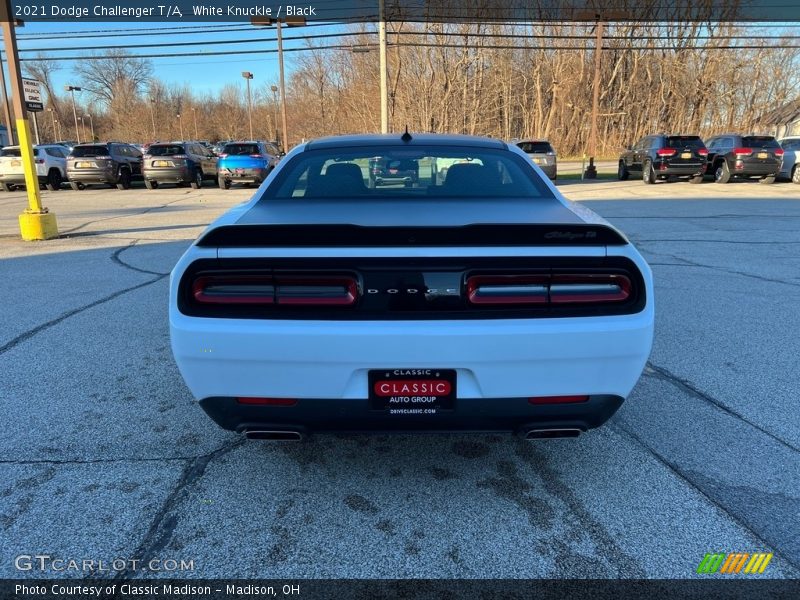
x: 476, y: 299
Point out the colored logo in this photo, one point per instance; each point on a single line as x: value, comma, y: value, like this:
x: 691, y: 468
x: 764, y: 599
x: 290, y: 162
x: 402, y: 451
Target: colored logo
x: 734, y: 563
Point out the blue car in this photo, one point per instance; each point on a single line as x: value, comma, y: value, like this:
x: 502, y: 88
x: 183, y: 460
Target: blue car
x: 246, y: 162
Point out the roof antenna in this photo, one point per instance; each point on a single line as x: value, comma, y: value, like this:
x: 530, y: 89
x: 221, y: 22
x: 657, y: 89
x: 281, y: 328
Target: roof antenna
x: 406, y: 137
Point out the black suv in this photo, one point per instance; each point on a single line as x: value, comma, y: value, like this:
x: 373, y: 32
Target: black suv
x: 178, y: 162
x: 665, y: 156
x: 112, y: 163
x: 744, y: 157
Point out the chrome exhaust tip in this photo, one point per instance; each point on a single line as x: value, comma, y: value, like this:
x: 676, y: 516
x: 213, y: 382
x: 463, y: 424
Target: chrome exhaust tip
x: 275, y: 436
x: 551, y: 434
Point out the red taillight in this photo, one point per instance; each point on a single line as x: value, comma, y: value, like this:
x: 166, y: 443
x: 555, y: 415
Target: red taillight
x: 702, y: 151
x: 666, y: 152
x: 307, y: 290
x: 743, y: 151
x: 589, y: 288
x: 507, y: 289
x: 558, y: 399
x: 268, y: 401
x: 778, y: 152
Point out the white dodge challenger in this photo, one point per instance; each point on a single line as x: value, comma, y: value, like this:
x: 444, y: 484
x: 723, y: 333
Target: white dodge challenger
x: 456, y: 290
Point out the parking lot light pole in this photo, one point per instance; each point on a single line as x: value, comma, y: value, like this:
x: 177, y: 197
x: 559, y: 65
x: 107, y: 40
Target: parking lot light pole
x: 248, y: 76
x: 274, y: 89
x: 36, y: 223
x: 289, y: 22
x: 72, y: 89
x: 384, y: 83
x: 53, y: 116
x: 91, y: 123
x: 83, y: 127
x: 180, y: 124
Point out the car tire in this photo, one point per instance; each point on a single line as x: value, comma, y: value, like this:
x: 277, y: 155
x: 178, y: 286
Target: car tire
x: 8, y: 187
x: 722, y: 174
x: 197, y: 183
x: 622, y: 171
x: 53, y: 180
x: 124, y: 180
x: 151, y: 184
x: 648, y: 175
x: 77, y: 186
x: 224, y: 184
x: 769, y: 179
x: 697, y: 179
x: 796, y: 174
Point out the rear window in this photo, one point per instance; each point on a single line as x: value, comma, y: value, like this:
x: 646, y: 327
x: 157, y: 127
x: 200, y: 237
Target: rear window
x: 535, y: 147
x: 166, y: 150
x: 793, y: 144
x: 685, y: 141
x: 15, y: 153
x: 90, y: 151
x: 394, y: 171
x: 760, y: 141
x: 241, y: 149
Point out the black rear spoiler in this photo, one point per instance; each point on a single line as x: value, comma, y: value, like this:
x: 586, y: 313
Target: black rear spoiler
x: 332, y: 236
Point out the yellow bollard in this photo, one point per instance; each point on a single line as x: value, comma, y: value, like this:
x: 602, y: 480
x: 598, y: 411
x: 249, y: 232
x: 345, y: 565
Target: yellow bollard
x: 36, y: 223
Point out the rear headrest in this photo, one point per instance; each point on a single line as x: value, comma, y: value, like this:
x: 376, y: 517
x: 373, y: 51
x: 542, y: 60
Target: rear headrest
x: 470, y: 178
x: 342, y: 170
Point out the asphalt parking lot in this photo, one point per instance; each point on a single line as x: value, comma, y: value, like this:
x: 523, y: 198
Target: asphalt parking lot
x: 105, y: 456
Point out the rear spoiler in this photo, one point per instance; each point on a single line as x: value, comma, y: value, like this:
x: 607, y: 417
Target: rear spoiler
x: 332, y: 236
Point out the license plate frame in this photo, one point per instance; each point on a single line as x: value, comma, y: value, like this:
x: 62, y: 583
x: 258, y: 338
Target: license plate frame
x: 83, y: 164
x: 762, y: 155
x: 686, y: 155
x: 412, y: 392
x: 16, y: 163
x: 161, y: 163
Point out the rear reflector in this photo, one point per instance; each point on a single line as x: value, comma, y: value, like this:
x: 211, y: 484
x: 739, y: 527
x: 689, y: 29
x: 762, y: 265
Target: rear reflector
x: 702, y: 151
x: 743, y: 151
x: 666, y: 151
x: 558, y: 399
x: 268, y: 401
x: 589, y: 288
x: 312, y: 290
x: 778, y: 152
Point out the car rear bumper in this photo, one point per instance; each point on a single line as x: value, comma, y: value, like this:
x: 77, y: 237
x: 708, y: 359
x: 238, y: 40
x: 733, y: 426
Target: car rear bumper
x: 92, y: 175
x: 174, y: 174
x: 755, y: 170
x: 515, y: 415
x: 688, y: 170
x: 244, y: 174
x: 510, y: 359
x: 19, y: 178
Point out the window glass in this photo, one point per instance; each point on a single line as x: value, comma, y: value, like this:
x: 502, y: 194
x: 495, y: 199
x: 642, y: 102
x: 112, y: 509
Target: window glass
x: 395, y: 171
x: 165, y: 149
x: 81, y: 151
x: 241, y: 149
x: 535, y: 147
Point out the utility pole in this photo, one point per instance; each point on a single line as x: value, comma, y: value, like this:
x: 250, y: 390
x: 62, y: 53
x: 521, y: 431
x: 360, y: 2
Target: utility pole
x: 382, y: 61
x: 194, y: 116
x: 36, y: 223
x: 35, y: 128
x: 153, y: 116
x: 53, y: 115
x: 72, y: 89
x: 591, y: 170
x: 180, y: 124
x: 91, y: 123
x: 6, y: 108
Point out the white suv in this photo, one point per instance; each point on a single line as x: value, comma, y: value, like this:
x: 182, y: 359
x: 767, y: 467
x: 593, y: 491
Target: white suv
x: 51, y: 166
x: 790, y: 169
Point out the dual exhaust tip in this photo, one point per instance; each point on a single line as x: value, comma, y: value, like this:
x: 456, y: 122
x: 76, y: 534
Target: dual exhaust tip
x: 296, y: 436
x: 274, y: 436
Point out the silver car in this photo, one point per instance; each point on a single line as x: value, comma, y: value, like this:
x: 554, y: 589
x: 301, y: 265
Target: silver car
x: 790, y: 168
x: 541, y: 153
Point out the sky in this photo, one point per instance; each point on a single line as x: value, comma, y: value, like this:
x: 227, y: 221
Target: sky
x: 201, y: 73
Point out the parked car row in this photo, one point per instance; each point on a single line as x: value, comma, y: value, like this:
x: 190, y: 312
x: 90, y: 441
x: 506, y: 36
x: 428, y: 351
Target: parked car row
x: 119, y: 164
x: 722, y: 158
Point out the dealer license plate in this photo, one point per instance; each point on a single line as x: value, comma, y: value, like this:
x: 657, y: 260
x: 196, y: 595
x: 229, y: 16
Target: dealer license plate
x: 686, y: 155
x: 412, y: 391
x: 762, y: 155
